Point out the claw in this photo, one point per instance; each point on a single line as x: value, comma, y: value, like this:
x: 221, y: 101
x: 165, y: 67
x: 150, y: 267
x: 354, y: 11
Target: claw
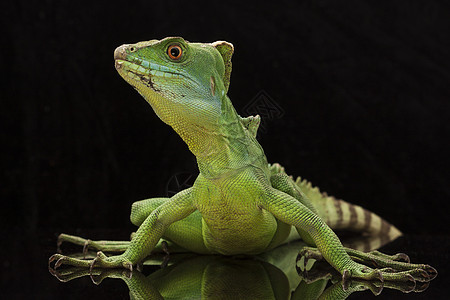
x: 346, y: 275
x: 140, y: 267
x: 59, y: 262
x: 379, y: 275
x: 59, y: 259
x: 432, y: 272
x: 91, y: 266
x: 408, y: 289
x: 376, y: 290
x: 51, y: 259
x: 52, y: 271
x: 402, y: 257
x: 86, y: 247
x: 56, y: 274
x: 95, y: 281
x: 421, y: 286
x: 100, y: 276
x: 425, y: 275
x: 58, y: 244
x: 129, y: 275
x: 410, y: 278
x: 374, y: 263
x: 412, y: 281
x: 128, y: 266
x: 165, y: 247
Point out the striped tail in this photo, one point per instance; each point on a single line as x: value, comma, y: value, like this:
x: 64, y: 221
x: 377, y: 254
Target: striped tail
x: 339, y: 214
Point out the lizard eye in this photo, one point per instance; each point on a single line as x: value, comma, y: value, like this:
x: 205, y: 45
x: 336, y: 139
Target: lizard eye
x: 174, y: 52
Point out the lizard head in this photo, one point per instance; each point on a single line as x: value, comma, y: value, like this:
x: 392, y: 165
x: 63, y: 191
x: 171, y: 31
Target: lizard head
x: 185, y: 83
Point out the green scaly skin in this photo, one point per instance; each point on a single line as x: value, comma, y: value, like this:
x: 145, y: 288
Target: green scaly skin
x: 239, y: 204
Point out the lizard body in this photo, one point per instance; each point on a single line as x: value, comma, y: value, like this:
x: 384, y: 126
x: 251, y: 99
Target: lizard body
x: 239, y: 204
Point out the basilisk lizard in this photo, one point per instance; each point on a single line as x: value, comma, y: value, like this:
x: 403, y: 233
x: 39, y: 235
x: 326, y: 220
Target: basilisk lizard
x: 239, y: 204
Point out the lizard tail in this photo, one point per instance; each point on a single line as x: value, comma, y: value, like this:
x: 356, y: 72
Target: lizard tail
x: 343, y: 215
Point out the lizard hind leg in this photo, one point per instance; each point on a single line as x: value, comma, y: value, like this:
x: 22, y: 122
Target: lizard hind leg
x: 184, y: 234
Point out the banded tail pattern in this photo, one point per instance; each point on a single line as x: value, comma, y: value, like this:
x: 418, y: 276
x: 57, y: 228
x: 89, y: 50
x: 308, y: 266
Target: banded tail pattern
x: 339, y: 214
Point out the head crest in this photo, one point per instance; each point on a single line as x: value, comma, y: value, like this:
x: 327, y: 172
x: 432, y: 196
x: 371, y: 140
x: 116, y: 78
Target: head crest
x: 226, y: 51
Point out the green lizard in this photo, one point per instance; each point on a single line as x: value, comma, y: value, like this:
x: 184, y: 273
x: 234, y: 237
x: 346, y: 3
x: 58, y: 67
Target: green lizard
x: 239, y: 204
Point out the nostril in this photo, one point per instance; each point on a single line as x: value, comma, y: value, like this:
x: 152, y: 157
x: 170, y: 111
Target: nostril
x: 132, y: 49
x: 120, y: 52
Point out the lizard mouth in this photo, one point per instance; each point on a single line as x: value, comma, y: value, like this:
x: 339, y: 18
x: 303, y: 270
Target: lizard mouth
x: 135, y: 69
x: 135, y: 64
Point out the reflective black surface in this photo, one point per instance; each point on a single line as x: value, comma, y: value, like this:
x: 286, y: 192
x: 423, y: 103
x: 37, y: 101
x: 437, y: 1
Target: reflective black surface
x: 25, y: 273
x: 363, y: 87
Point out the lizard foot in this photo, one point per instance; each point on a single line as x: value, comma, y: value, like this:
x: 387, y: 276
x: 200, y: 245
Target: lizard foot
x: 100, y: 261
x: 376, y: 266
x: 337, y: 290
x: 96, y: 275
x: 397, y: 264
x: 415, y: 279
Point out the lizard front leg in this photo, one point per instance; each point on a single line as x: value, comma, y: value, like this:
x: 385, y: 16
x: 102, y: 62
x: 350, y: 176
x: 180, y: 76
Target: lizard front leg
x: 143, y: 242
x: 289, y: 210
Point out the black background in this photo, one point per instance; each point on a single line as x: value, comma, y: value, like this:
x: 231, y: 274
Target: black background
x: 364, y: 87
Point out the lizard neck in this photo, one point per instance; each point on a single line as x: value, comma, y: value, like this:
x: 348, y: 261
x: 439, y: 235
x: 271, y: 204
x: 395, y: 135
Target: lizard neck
x: 223, y: 147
